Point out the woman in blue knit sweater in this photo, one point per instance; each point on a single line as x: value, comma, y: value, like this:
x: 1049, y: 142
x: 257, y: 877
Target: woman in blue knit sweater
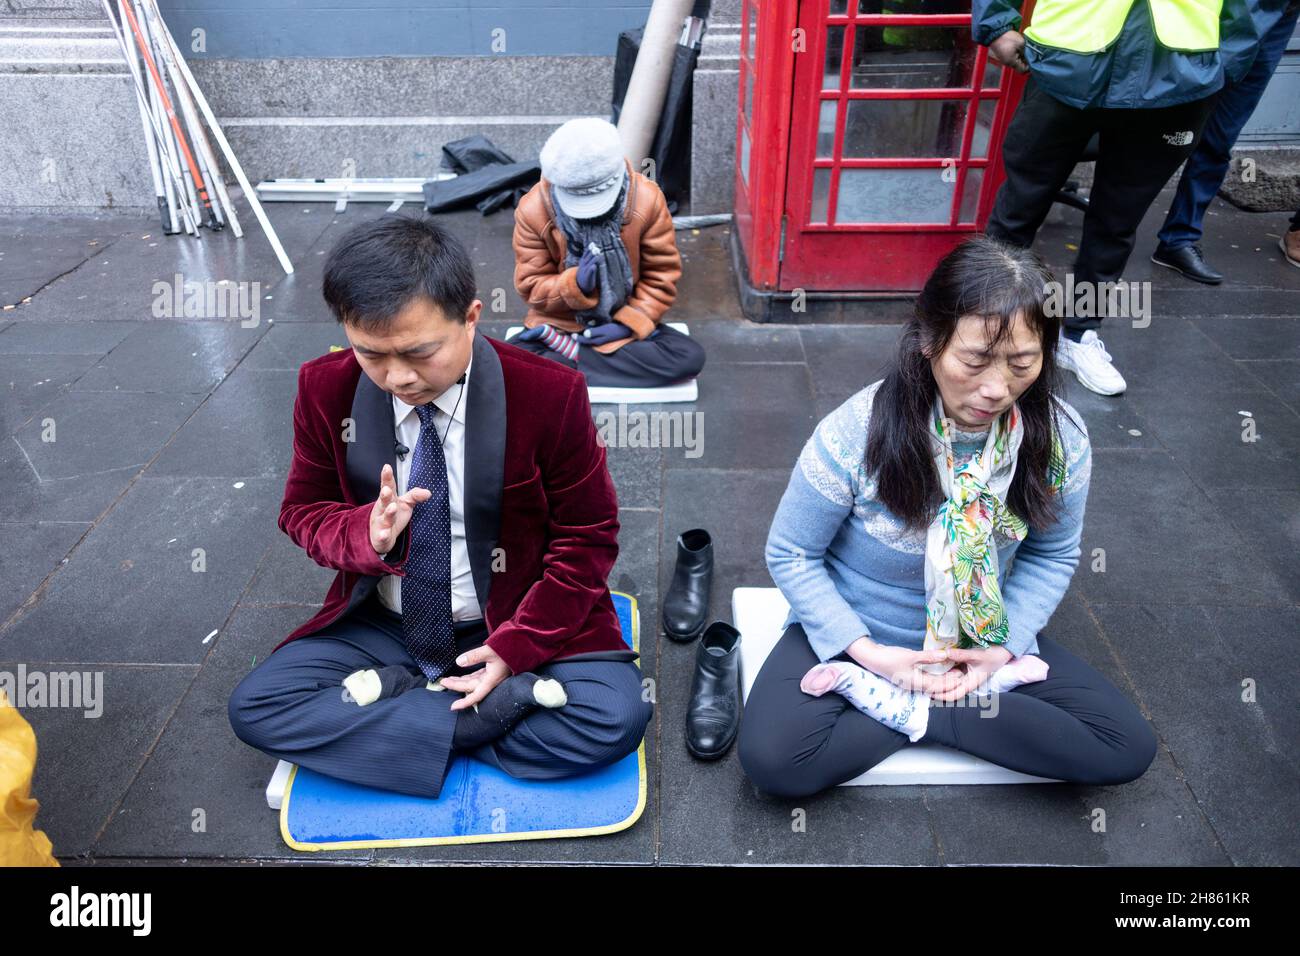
x: 929, y: 530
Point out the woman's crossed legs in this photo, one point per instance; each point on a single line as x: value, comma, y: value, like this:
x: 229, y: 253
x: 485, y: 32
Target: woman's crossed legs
x: 1075, y: 726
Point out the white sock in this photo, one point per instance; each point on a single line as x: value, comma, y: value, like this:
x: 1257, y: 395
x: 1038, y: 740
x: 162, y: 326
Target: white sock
x: 906, y: 711
x: 1019, y: 670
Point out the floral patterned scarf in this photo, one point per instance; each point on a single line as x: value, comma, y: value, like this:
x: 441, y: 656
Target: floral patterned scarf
x: 963, y: 599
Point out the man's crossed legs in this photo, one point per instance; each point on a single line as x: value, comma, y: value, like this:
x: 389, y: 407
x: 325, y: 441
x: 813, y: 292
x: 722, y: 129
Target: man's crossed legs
x: 293, y: 706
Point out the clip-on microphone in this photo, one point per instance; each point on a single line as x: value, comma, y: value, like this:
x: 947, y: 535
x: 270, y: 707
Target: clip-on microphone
x: 403, y: 451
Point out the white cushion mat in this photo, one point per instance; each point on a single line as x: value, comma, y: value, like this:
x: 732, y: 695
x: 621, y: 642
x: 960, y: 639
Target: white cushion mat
x: 758, y: 614
x: 610, y: 395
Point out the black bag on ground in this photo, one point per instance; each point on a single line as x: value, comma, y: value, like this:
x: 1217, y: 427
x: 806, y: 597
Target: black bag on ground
x: 487, y: 177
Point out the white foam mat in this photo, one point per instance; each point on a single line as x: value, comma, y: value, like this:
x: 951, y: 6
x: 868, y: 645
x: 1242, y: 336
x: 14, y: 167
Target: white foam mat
x: 758, y: 614
x: 279, y: 781
x: 609, y: 395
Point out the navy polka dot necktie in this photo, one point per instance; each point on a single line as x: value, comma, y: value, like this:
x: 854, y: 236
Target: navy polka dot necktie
x: 426, y: 586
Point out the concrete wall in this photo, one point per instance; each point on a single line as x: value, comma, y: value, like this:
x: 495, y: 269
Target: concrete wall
x: 329, y: 106
x: 256, y: 29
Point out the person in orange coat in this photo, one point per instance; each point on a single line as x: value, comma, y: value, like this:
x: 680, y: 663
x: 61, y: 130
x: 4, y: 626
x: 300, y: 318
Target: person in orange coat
x: 596, y: 261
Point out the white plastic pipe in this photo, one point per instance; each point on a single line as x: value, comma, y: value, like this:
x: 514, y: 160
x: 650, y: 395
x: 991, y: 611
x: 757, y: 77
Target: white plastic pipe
x: 249, y: 193
x: 648, y: 85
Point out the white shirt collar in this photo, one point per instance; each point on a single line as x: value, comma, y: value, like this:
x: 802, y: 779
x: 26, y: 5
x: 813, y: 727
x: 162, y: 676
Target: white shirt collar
x: 447, y: 401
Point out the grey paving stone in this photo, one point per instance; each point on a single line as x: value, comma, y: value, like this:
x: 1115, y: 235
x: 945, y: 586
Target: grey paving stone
x: 287, y: 345
x: 1112, y: 420
x: 754, y: 416
x: 842, y: 360
x: 172, y: 357
x: 1282, y: 378
x: 288, y: 576
x: 1161, y: 535
x: 637, y: 471
x: 35, y: 250
x: 1169, y: 356
x: 1249, y: 337
x: 89, y: 432
x: 744, y: 341
x: 31, y: 551
x: 96, y: 337
x: 1261, y: 641
x: 1270, y: 521
x: 31, y: 381
x: 1205, y: 433
x: 201, y: 793
x: 120, y: 280
x: 130, y: 594
x: 1188, y: 671
x: 25, y: 497
x: 86, y: 763
x: 243, y: 430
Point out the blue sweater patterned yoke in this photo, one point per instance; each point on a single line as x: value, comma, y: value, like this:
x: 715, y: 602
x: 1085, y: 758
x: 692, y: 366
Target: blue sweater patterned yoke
x: 849, y: 568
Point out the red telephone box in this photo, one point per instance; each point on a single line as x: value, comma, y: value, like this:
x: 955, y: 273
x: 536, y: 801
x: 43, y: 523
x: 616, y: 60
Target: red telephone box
x: 868, y: 144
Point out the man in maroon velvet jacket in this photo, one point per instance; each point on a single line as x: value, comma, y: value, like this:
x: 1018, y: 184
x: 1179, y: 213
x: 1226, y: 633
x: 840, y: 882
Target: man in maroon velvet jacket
x: 533, y: 523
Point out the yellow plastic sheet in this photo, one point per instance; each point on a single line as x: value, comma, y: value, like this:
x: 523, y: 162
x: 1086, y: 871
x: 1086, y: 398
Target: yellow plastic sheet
x: 20, y: 844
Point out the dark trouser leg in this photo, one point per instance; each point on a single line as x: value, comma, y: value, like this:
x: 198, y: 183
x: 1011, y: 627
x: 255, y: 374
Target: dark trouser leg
x: 791, y: 744
x: 292, y: 706
x: 1075, y: 725
x: 1043, y: 143
x: 603, y: 721
x: 1140, y: 149
x: 667, y: 357
x: 1208, y: 164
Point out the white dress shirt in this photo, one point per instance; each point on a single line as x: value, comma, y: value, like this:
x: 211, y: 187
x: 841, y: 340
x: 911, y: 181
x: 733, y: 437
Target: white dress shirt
x: 464, y: 600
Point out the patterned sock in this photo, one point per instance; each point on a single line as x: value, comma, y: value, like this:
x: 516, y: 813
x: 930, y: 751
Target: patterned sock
x: 505, y: 705
x: 906, y: 711
x: 560, y: 342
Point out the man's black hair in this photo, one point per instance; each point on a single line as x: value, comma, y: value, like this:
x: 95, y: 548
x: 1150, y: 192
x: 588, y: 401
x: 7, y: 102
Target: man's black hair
x: 377, y: 267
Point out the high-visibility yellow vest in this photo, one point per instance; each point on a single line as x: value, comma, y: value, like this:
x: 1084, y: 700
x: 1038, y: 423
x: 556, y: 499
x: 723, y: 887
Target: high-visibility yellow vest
x: 1089, y: 26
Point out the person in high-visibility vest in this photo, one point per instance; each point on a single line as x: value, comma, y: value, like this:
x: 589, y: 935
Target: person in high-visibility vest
x: 1251, y: 55
x: 1139, y: 74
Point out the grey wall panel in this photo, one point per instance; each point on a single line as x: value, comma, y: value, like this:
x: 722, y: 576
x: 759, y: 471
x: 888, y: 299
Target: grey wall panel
x: 346, y: 28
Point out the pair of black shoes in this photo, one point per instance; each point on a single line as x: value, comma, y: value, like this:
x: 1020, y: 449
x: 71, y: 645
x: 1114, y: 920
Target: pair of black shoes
x: 713, y: 715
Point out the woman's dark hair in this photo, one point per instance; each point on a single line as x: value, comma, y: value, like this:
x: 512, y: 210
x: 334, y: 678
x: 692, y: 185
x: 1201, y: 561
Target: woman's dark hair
x: 377, y: 267
x: 981, y: 277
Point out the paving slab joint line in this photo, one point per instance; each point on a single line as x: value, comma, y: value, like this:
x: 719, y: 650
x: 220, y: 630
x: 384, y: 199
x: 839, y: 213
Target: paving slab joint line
x: 24, y: 300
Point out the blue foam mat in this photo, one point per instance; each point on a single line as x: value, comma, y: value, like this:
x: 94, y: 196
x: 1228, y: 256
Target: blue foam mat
x: 478, y: 803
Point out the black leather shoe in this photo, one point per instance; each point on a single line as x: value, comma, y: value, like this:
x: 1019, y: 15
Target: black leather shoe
x: 1188, y: 261
x: 686, y: 605
x: 713, y: 715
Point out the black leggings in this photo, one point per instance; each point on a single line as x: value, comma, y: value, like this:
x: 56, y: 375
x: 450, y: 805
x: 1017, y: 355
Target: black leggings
x: 1075, y: 726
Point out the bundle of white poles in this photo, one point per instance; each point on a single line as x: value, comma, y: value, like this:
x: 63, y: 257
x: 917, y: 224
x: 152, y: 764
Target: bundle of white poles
x: 186, y: 178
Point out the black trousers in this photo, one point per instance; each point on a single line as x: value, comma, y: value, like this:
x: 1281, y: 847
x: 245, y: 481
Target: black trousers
x: 666, y: 357
x: 1140, y: 149
x: 1075, y: 726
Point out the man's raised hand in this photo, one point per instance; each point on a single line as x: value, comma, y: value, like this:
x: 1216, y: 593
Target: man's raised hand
x: 392, y: 511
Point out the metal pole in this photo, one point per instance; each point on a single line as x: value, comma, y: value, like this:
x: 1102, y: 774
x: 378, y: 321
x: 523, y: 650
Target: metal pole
x: 173, y: 170
x: 228, y: 152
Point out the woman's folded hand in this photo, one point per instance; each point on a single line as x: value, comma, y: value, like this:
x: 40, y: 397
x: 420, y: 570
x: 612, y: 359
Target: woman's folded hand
x: 901, y: 666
